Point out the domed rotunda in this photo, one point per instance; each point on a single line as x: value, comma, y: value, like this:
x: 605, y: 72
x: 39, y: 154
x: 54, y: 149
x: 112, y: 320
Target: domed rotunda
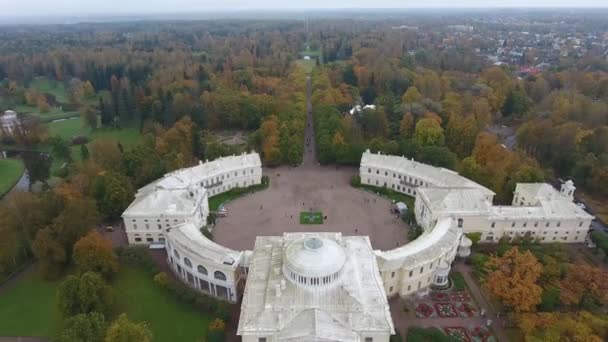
x: 314, y: 262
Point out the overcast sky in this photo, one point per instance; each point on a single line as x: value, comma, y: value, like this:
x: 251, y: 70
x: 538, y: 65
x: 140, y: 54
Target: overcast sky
x: 82, y: 7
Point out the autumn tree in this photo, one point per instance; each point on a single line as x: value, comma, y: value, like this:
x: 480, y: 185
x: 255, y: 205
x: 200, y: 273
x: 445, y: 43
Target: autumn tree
x: 50, y: 253
x: 84, y: 294
x: 406, y: 126
x: 270, y: 140
x: 428, y: 132
x: 513, y: 279
x: 124, y: 330
x: 106, y: 153
x: 460, y: 134
x: 411, y: 95
x: 94, y: 253
x: 582, y: 282
x: 550, y: 326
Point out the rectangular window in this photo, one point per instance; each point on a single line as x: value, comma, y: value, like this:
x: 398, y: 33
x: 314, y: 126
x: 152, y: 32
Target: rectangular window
x: 369, y: 339
x: 262, y: 339
x: 421, y: 270
x: 392, y: 274
x: 411, y: 273
x: 493, y: 224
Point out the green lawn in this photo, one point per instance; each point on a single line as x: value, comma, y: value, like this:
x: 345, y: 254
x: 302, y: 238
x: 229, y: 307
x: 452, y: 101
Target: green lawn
x: 307, y: 217
x: 55, y: 88
x: 216, y: 201
x: 54, y: 114
x: 128, y: 137
x: 10, y: 172
x: 168, y: 319
x: 306, y: 65
x: 29, y: 308
x: 68, y: 128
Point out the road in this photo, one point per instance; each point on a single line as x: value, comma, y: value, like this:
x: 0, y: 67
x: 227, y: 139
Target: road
x: 309, y: 158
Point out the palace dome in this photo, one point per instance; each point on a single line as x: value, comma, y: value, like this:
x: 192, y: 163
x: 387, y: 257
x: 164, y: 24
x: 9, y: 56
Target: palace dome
x: 314, y: 261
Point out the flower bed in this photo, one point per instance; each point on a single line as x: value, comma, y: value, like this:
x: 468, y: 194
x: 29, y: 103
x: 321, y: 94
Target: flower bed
x: 460, y: 296
x: 424, y: 310
x: 445, y: 310
x: 466, y: 310
x: 441, y: 297
x: 458, y: 333
x: 480, y: 334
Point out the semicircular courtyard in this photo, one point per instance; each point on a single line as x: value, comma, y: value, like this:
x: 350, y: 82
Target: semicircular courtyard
x: 292, y: 191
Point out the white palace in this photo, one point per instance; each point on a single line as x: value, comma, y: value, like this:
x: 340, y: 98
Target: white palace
x: 329, y: 287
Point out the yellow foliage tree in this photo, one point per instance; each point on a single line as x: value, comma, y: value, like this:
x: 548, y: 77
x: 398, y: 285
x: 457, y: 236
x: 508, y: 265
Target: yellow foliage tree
x: 513, y: 279
x: 411, y: 95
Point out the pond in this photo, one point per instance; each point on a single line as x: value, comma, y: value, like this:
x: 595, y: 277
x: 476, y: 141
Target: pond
x: 37, y: 167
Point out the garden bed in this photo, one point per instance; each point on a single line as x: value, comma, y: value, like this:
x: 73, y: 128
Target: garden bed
x: 311, y: 217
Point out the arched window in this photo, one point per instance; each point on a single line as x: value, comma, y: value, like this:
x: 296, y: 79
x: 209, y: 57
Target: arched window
x: 202, y: 270
x: 176, y: 253
x: 187, y: 262
x: 459, y: 223
x: 219, y: 275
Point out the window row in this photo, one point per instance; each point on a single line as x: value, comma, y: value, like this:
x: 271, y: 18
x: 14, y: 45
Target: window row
x: 313, y: 281
x: 219, y: 275
x: 149, y: 238
x: 407, y: 179
x: 536, y: 224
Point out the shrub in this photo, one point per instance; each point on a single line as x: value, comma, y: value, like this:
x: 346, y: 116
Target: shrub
x: 475, y: 237
x: 80, y: 140
x: 137, y: 256
x: 418, y: 334
x: 478, y: 261
x: 265, y: 180
x: 355, y: 181
x: 459, y: 283
x: 207, y: 233
x: 162, y: 280
x: 396, y: 338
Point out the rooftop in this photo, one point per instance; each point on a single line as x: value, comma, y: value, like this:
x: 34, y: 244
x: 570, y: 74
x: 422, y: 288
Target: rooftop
x: 274, y: 305
x: 190, y: 238
x: 436, y: 176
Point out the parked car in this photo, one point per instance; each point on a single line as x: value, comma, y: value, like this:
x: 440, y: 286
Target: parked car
x: 109, y: 228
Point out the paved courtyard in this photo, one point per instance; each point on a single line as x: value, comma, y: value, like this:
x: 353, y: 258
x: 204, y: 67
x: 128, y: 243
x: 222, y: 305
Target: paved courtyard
x: 310, y: 188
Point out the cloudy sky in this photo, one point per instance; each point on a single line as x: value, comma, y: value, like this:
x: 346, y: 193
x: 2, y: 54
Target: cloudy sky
x: 61, y: 7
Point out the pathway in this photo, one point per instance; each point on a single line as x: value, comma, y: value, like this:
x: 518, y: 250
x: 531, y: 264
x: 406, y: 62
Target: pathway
x: 404, y: 320
x: 477, y: 293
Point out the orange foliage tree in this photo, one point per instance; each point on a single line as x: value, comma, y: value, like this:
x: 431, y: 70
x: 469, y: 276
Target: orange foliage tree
x: 513, y: 279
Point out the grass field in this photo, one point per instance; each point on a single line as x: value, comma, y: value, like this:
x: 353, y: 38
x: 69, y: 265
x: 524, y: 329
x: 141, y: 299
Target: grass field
x: 306, y: 65
x: 10, y: 172
x: 68, y: 128
x: 29, y: 308
x: 55, y: 88
x: 168, y: 319
x: 55, y: 113
x: 216, y: 201
x: 307, y: 217
x: 128, y: 137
